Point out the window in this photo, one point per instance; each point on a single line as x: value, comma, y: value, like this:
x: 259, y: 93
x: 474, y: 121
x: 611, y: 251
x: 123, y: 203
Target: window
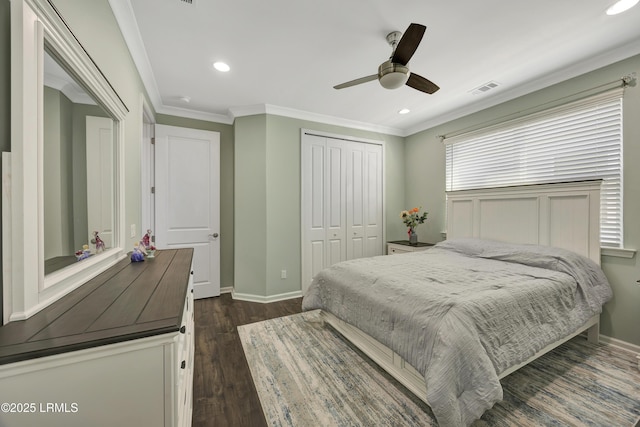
x: 577, y: 141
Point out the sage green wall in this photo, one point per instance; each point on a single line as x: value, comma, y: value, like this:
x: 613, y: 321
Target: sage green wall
x: 267, y: 182
x: 425, y: 183
x: 250, y: 201
x: 226, y: 187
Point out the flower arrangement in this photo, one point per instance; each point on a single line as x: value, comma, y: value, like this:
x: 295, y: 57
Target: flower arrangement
x: 412, y: 218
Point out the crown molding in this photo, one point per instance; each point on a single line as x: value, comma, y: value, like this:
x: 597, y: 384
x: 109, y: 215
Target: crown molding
x: 293, y: 113
x: 195, y: 114
x: 332, y: 120
x: 69, y: 90
x: 247, y: 110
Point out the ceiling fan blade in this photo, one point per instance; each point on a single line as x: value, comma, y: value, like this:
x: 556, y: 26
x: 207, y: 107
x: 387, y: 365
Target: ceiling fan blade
x: 357, y: 81
x: 408, y: 44
x: 422, y: 84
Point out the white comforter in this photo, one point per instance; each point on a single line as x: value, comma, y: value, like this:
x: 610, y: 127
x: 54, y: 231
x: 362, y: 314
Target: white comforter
x: 464, y: 311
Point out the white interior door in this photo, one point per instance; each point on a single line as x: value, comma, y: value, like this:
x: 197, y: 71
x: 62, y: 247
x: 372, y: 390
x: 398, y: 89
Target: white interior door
x: 334, y: 193
x: 314, y: 227
x: 356, y: 201
x: 100, y: 170
x: 187, y: 193
x: 373, y: 203
x: 324, y: 193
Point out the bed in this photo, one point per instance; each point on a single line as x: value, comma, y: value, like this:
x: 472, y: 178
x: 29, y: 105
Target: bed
x: 518, y: 275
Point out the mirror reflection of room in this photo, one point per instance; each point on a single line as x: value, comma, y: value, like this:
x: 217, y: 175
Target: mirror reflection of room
x: 78, y: 171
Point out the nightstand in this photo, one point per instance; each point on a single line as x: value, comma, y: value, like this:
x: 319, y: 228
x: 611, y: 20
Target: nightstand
x: 403, y: 246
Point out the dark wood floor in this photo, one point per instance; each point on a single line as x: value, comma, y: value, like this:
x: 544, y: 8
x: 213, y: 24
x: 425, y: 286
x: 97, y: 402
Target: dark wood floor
x: 223, y: 391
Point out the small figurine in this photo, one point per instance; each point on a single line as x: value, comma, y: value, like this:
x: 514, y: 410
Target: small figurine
x: 137, y: 255
x: 98, y: 242
x: 146, y: 239
x: 84, y: 253
x: 146, y: 245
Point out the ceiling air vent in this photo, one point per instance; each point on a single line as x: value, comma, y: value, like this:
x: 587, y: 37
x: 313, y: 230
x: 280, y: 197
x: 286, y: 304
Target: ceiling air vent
x: 191, y: 2
x: 485, y: 88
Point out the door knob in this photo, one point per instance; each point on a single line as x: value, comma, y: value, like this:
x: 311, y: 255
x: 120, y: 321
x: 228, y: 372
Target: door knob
x: 214, y: 235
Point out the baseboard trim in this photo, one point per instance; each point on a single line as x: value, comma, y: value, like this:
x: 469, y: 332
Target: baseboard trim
x: 623, y: 345
x: 265, y: 299
x: 619, y: 343
x: 226, y: 290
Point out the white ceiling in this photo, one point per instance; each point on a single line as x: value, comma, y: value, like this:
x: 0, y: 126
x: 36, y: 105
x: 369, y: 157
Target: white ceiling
x: 286, y: 55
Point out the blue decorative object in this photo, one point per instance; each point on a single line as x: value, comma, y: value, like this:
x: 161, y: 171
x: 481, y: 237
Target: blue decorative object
x: 84, y: 253
x: 137, y: 255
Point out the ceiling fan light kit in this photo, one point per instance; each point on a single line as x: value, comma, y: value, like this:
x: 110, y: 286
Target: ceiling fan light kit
x: 394, y: 72
x: 392, y: 76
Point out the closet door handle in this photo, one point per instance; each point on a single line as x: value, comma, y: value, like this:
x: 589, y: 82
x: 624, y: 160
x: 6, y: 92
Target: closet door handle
x: 183, y: 329
x: 183, y: 364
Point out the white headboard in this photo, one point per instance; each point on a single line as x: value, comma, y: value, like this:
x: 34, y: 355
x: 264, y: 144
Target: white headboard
x: 564, y: 215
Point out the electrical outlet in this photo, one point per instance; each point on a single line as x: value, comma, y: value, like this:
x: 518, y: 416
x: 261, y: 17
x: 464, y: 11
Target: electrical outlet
x: 283, y: 274
x: 133, y: 231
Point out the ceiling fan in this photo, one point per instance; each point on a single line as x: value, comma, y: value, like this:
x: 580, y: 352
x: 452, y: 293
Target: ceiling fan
x: 394, y: 72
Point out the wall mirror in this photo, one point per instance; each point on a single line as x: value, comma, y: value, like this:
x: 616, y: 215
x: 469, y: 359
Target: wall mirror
x: 78, y: 170
x: 63, y: 178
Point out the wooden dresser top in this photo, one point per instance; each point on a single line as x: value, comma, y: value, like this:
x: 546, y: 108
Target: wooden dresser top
x: 128, y: 301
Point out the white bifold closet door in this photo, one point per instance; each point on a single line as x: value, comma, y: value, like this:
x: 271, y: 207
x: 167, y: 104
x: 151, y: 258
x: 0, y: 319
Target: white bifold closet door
x: 342, y: 202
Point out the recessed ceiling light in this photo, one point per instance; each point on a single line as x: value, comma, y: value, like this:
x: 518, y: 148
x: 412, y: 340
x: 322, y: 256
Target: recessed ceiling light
x: 404, y: 111
x: 621, y: 6
x: 221, y: 66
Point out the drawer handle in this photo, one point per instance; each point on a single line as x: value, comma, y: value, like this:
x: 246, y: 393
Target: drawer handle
x: 183, y: 364
x: 183, y: 329
x: 192, y: 272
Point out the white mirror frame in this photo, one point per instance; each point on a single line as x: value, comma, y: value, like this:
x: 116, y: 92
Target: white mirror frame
x: 26, y: 289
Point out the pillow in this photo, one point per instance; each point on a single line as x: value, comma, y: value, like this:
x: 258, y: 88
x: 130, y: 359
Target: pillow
x: 466, y: 246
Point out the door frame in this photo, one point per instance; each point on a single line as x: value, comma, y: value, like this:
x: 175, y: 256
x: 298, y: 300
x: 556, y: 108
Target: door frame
x: 147, y: 168
x: 303, y: 229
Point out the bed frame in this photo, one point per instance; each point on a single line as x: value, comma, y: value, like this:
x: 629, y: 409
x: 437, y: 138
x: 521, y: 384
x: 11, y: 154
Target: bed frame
x: 565, y: 215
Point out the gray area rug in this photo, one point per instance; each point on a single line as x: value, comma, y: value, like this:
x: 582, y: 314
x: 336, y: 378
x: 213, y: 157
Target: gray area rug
x: 306, y: 374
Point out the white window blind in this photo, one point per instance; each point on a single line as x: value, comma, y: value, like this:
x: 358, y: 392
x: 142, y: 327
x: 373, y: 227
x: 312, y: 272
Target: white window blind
x: 577, y: 141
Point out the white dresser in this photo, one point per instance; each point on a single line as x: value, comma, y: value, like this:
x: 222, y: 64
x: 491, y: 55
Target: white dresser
x: 403, y: 246
x: 118, y: 351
